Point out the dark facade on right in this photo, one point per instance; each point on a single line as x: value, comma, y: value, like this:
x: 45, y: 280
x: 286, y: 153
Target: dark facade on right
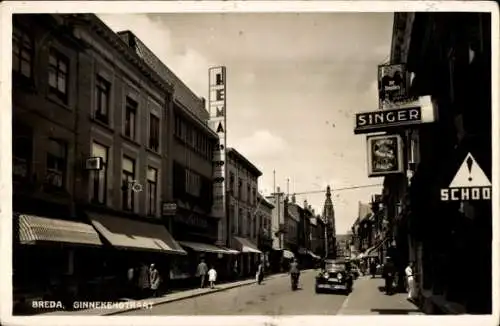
x: 449, y: 58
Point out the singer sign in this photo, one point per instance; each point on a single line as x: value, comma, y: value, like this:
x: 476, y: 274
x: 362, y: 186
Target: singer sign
x: 217, y: 110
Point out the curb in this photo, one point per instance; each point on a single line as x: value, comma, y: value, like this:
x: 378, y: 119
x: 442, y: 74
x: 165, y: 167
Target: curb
x: 189, y: 296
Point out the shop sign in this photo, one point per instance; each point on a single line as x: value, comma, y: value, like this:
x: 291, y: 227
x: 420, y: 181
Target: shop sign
x: 393, y: 81
x: 192, y: 220
x: 217, y: 109
x: 381, y: 120
x: 385, y: 155
x: 168, y: 209
x: 470, y: 183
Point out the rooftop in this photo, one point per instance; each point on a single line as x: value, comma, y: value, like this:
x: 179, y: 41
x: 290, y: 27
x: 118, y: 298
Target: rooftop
x: 231, y: 152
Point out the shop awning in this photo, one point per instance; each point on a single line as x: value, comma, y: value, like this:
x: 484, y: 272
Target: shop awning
x: 371, y: 252
x: 231, y: 251
x: 288, y: 254
x: 34, y: 229
x: 247, y: 246
x: 204, y: 247
x: 130, y: 234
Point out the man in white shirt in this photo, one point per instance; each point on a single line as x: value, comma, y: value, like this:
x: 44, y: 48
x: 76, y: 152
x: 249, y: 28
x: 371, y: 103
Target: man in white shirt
x: 410, y: 278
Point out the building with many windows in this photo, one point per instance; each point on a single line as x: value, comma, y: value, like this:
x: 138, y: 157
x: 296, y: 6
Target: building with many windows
x: 264, y: 230
x: 242, y: 183
x: 189, y: 184
x: 87, y: 157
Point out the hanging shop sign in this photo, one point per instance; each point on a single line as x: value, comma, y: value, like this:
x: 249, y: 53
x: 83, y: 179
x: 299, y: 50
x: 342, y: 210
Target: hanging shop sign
x: 393, y: 81
x: 168, y: 209
x: 470, y: 183
x: 385, y: 155
x: 382, y: 120
x: 217, y: 110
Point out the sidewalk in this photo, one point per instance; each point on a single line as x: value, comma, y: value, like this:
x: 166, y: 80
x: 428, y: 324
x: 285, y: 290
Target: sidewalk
x: 367, y: 299
x: 170, y: 297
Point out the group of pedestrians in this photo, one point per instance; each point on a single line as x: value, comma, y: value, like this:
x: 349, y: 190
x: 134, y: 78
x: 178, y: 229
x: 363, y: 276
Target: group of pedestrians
x: 202, y: 271
x: 143, y: 282
x: 389, y: 273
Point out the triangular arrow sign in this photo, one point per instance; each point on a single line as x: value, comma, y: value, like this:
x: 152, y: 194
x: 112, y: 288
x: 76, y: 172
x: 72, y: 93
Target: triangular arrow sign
x: 470, y: 174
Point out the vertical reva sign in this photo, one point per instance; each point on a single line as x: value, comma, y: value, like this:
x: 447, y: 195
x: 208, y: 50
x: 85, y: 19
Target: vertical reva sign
x: 217, y: 110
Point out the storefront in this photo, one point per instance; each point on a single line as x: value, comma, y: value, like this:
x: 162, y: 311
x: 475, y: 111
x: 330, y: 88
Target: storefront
x: 46, y: 259
x: 249, y: 258
x: 133, y: 243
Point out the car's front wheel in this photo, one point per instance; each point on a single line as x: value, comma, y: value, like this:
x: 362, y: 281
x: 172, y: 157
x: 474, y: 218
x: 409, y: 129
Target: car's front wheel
x: 317, y: 290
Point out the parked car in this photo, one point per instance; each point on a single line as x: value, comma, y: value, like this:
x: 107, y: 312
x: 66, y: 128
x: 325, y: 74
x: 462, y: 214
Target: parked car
x: 335, y: 276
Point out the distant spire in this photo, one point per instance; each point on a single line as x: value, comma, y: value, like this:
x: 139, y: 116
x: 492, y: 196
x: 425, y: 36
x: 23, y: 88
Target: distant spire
x: 328, y: 192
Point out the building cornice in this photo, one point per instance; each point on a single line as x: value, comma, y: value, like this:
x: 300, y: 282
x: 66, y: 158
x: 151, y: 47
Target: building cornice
x: 101, y: 29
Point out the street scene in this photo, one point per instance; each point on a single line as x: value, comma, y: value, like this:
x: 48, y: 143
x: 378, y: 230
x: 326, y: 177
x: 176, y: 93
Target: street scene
x: 252, y: 164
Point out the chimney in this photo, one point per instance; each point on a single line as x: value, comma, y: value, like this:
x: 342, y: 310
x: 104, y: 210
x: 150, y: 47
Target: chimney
x: 313, y: 212
x: 293, y: 199
x: 203, y: 102
x: 311, y: 208
x: 306, y: 206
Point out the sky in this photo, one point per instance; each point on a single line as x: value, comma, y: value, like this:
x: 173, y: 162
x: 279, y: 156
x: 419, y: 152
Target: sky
x: 294, y: 84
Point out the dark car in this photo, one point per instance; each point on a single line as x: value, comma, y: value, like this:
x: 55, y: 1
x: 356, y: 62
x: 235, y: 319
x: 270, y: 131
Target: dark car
x: 335, y: 276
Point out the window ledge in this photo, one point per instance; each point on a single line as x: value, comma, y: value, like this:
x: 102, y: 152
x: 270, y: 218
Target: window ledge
x: 102, y: 124
x: 57, y: 101
x: 152, y: 151
x: 130, y: 140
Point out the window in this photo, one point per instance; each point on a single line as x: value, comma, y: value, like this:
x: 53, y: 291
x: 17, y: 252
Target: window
x: 249, y: 224
x: 100, y: 180
x: 249, y: 195
x: 102, y: 90
x: 218, y: 79
x: 128, y: 176
x: 22, y: 149
x: 254, y: 224
x: 240, y: 187
x: 58, y: 75
x: 231, y: 218
x: 130, y: 117
x: 231, y: 182
x: 154, y: 132
x: 152, y: 190
x: 178, y: 126
x: 240, y: 221
x: 254, y: 196
x: 22, y: 53
x: 56, y: 163
x: 193, y: 183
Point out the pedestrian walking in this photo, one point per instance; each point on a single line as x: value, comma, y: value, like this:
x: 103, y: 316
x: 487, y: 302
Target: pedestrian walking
x: 294, y: 273
x: 388, y: 274
x: 260, y: 273
x: 131, y: 282
x: 201, y: 272
x: 373, y: 267
x: 410, y: 281
x: 143, y: 281
x: 212, y: 276
x: 154, y: 280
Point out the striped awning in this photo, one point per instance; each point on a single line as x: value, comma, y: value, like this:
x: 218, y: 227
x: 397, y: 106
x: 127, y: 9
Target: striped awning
x: 247, y: 246
x: 205, y: 247
x: 34, y: 229
x: 131, y: 234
